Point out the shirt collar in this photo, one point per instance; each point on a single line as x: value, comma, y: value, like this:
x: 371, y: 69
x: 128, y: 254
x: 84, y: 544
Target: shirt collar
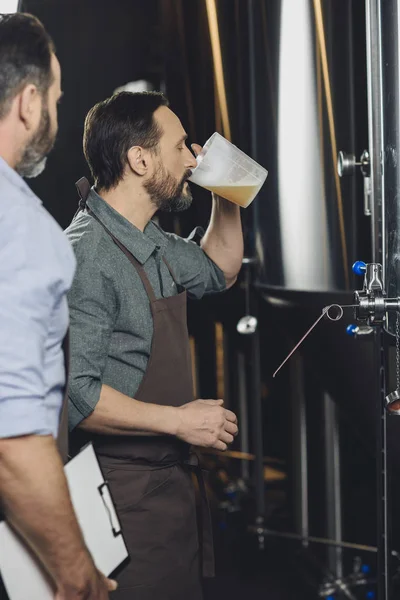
x: 141, y: 244
x: 16, y: 180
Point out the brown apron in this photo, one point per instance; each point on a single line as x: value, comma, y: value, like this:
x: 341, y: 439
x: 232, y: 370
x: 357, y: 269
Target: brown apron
x: 150, y: 477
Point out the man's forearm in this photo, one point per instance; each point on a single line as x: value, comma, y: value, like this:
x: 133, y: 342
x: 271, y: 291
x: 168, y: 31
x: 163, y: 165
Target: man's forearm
x: 35, y: 500
x: 199, y: 423
x: 223, y: 240
x: 118, y: 414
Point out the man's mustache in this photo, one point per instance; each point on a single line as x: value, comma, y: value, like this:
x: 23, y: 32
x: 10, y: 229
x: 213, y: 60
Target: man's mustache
x: 186, y: 175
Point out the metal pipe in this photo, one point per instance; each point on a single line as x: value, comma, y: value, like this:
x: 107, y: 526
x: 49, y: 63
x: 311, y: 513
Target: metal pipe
x: 320, y: 34
x: 300, y: 459
x: 243, y: 416
x: 255, y: 339
x: 216, y: 47
x: 390, y: 85
x: 382, y: 491
x: 383, y: 130
x: 318, y: 540
x: 375, y: 123
x: 257, y: 432
x: 383, y: 61
x: 333, y: 484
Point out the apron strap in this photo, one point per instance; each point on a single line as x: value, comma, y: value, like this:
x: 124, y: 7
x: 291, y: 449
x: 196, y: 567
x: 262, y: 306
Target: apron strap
x: 139, y: 268
x: 142, y: 273
x: 205, y: 529
x: 170, y: 270
x: 83, y: 187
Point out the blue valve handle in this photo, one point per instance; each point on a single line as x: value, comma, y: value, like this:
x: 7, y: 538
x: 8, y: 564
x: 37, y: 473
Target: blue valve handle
x: 359, y: 267
x: 351, y: 330
x: 365, y: 569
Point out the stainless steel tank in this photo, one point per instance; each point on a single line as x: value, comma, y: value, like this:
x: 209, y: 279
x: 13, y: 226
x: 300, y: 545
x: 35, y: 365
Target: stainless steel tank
x: 306, y: 218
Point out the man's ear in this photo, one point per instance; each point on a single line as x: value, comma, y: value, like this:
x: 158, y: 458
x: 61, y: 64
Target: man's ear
x: 30, y: 106
x: 138, y: 160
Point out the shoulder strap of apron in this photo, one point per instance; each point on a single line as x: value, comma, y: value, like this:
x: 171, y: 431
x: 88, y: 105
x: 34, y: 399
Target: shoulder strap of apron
x: 83, y: 187
x: 170, y: 270
x: 139, y: 268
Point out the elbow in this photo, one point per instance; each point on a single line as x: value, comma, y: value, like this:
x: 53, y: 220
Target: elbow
x: 231, y: 271
x: 232, y: 274
x: 230, y: 281
x: 86, y: 424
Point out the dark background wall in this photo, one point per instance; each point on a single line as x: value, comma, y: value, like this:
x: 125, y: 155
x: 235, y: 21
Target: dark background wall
x: 101, y: 45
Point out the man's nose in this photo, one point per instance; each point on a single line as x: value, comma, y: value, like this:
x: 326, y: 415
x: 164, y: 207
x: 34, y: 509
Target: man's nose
x: 190, y: 160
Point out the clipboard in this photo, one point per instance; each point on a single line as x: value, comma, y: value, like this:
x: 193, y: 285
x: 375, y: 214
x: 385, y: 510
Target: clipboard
x: 23, y: 576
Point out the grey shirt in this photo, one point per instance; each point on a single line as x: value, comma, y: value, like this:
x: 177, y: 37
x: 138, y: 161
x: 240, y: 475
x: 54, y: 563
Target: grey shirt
x: 110, y: 318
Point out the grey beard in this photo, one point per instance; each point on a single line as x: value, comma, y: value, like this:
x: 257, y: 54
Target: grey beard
x: 33, y: 160
x: 176, y: 204
x: 166, y: 194
x: 31, y: 169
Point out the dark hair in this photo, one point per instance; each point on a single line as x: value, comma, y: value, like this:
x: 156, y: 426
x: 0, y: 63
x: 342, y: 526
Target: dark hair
x: 113, y: 126
x: 25, y: 57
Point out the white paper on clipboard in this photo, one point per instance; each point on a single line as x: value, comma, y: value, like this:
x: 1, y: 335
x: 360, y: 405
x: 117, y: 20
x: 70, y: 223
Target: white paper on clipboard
x: 22, y: 575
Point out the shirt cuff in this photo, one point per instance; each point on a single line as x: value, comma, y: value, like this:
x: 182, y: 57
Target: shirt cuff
x: 79, y: 408
x: 30, y: 417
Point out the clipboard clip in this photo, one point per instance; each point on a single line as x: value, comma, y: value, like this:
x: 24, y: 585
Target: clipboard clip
x: 109, y: 506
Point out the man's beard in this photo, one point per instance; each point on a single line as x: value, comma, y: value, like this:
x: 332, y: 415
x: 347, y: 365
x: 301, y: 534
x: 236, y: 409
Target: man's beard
x: 168, y: 195
x: 34, y: 158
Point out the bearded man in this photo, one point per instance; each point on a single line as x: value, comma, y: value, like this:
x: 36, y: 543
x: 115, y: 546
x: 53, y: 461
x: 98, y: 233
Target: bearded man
x: 36, y: 270
x: 131, y: 387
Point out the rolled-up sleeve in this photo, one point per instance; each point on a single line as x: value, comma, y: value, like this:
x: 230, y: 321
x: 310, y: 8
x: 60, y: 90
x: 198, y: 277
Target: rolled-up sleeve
x: 195, y: 271
x: 93, y: 308
x: 26, y: 303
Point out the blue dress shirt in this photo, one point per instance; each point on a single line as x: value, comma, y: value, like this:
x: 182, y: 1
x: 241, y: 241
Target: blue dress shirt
x: 37, y: 266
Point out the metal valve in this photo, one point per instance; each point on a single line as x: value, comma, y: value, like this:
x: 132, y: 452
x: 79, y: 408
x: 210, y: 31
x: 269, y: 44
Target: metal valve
x: 370, y: 303
x: 358, y: 331
x: 370, y: 308
x: 347, y: 163
x: 248, y: 324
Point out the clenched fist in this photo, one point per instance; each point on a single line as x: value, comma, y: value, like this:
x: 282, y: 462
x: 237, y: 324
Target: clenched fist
x: 207, y: 423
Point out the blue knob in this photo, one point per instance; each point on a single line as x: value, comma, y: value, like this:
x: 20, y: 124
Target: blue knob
x: 330, y: 598
x: 352, y: 330
x: 370, y: 595
x: 359, y: 267
x: 365, y: 569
